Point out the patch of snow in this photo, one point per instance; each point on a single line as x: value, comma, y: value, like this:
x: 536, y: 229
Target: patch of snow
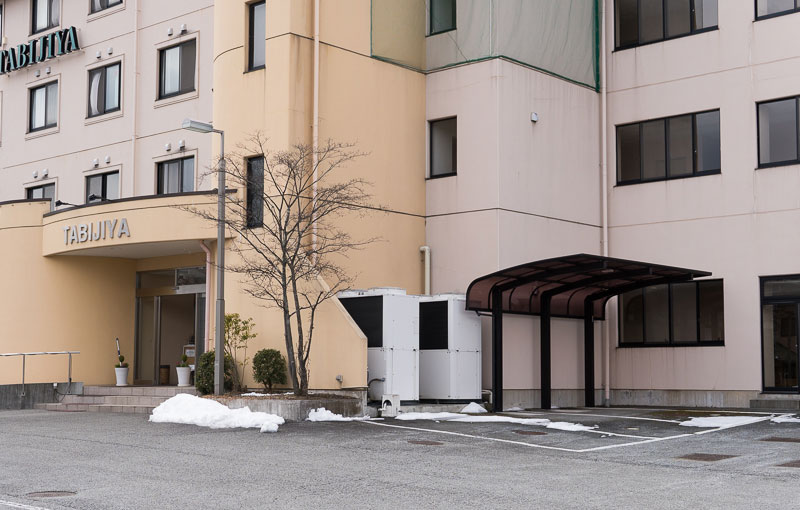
x: 256, y: 394
x: 511, y: 409
x: 191, y: 410
x: 785, y: 419
x: 323, y: 414
x: 569, y: 427
x: 474, y: 408
x: 543, y: 422
x: 427, y: 416
x: 721, y: 421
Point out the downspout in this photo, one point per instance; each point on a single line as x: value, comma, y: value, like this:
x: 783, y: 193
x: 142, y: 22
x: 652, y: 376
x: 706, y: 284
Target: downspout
x: 315, y: 130
x: 132, y: 171
x: 206, y: 329
x: 426, y: 251
x: 604, y: 187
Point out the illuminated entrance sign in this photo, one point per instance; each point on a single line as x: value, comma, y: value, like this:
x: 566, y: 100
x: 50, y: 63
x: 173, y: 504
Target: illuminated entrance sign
x: 54, y: 44
x: 95, y: 231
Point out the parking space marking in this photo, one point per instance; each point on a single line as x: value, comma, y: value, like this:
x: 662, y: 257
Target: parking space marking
x: 11, y: 504
x: 595, y: 416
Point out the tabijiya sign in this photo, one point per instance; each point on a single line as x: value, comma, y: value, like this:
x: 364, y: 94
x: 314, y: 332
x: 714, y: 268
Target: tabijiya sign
x: 38, y: 50
x: 95, y: 231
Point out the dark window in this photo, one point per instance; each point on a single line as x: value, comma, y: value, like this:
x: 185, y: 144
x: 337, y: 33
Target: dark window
x: 443, y: 147
x: 771, y: 8
x: 176, y: 71
x: 255, y: 192
x: 780, y: 311
x: 41, y: 192
x: 175, y: 176
x: 104, y: 87
x: 777, y: 132
x: 45, y: 15
x: 367, y: 312
x: 258, y: 36
x: 442, y: 16
x: 433, y: 325
x: 645, y: 21
x: 102, y: 187
x: 44, y: 107
x: 677, y: 313
x: 670, y: 148
x: 100, y: 5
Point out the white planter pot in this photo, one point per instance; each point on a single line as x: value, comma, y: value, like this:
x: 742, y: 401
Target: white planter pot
x: 184, y: 375
x: 122, y: 376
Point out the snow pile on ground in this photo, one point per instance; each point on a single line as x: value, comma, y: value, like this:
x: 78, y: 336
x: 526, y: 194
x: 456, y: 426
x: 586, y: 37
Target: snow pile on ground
x: 427, y: 416
x: 462, y: 418
x: 512, y: 409
x: 191, y: 410
x: 474, y: 408
x: 721, y: 421
x: 323, y: 414
x: 256, y: 394
x: 785, y: 419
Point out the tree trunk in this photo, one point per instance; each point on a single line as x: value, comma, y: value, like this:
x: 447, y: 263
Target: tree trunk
x: 302, y: 363
x: 287, y: 335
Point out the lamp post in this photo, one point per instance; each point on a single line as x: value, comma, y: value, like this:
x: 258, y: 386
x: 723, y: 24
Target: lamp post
x: 219, y: 357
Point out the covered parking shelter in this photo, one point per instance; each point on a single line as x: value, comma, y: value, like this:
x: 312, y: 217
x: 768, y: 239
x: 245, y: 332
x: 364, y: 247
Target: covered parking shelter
x: 573, y: 287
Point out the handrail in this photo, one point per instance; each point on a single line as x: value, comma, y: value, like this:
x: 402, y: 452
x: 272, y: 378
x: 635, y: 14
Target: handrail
x: 26, y: 354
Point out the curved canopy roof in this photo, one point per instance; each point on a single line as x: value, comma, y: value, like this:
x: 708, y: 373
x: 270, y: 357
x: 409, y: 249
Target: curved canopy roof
x: 569, y: 280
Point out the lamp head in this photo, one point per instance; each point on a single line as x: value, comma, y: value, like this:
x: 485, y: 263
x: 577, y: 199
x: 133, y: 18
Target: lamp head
x: 199, y: 127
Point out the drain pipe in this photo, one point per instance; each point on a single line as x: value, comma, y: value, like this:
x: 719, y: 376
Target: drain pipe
x: 315, y: 130
x: 206, y: 329
x: 604, y: 187
x: 426, y: 251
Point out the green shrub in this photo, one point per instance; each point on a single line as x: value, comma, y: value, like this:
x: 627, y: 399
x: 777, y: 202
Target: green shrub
x: 269, y: 367
x: 204, y: 373
x: 121, y: 363
x: 183, y: 363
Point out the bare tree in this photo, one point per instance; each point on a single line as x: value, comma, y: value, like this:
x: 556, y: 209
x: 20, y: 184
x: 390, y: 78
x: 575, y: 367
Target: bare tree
x: 289, y: 238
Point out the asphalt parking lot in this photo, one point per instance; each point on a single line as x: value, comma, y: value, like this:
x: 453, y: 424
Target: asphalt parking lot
x: 634, y: 458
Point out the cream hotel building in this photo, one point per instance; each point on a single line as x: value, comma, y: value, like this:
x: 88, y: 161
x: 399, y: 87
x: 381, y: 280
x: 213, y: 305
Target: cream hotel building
x: 499, y: 133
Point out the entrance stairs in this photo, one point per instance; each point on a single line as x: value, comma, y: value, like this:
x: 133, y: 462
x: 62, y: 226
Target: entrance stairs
x: 776, y: 402
x: 117, y: 399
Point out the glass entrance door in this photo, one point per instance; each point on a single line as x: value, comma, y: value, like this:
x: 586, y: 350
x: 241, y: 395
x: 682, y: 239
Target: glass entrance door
x: 780, y: 309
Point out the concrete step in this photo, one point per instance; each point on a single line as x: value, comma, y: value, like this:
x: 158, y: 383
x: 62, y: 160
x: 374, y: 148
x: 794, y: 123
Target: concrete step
x: 97, y: 408
x: 776, y: 404
x: 139, y: 391
x: 114, y: 400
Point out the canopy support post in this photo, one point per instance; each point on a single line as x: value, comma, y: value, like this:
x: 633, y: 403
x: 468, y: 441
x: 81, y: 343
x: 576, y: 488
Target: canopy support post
x: 544, y: 341
x: 497, y: 351
x: 588, y: 353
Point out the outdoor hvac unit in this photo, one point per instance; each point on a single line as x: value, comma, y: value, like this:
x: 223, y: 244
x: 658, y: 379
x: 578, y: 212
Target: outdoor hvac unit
x: 390, y: 320
x: 450, y: 349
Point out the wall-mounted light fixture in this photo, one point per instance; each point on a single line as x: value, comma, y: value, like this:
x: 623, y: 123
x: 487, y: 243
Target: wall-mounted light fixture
x: 169, y: 31
x: 168, y: 147
x: 45, y: 173
x: 534, y: 117
x: 95, y: 162
x: 108, y: 159
x: 35, y: 174
x: 181, y: 144
x: 110, y: 50
x: 183, y: 28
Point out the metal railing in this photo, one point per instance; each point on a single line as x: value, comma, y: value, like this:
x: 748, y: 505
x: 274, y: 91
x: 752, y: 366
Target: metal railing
x: 26, y: 354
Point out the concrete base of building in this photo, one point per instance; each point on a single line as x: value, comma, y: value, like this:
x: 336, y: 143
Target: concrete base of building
x: 531, y: 398
x: 11, y: 395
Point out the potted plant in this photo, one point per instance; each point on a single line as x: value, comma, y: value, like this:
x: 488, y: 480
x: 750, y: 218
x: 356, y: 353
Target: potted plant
x: 184, y: 372
x: 121, y: 368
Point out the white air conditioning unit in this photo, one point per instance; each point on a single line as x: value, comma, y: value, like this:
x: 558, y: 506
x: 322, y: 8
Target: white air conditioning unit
x: 450, y: 349
x: 390, y: 320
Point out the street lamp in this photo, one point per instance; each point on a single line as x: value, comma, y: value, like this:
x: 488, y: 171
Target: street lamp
x: 219, y: 357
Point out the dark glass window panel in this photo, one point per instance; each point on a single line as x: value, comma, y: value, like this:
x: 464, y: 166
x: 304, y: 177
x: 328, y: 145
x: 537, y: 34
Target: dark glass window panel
x: 187, y: 175
x: 190, y: 276
x: 255, y: 192
x: 628, y: 153
x: 626, y: 15
x: 112, y: 186
x: 433, y: 325
x: 102, y: 187
x: 94, y: 188
x: 780, y: 345
x: 177, y: 69
x: 712, y: 321
x: 258, y: 35
x: 681, y: 156
x: 684, y: 312
x: 705, y: 14
x: 631, y: 324
x: 104, y: 86
x: 444, y: 146
x: 651, y: 20
x: 656, y: 303
x: 41, y: 192
x: 788, y: 287
x: 653, y: 150
x: 443, y: 15
x: 175, y: 176
x: 188, y: 50
x: 45, y: 14
x: 777, y: 131
x: 44, y: 106
x: 708, y: 141
x: 767, y: 7
x: 679, y: 17
x: 367, y: 312
x: 112, y: 87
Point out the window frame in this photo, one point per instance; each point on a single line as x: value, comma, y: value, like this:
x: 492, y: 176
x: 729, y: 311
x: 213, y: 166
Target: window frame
x: 671, y: 341
x: 104, y: 70
x: 774, y: 14
x: 692, y: 22
x: 430, y: 148
x: 103, y: 186
x: 108, y: 6
x: 789, y: 162
x: 667, y: 176
x: 31, y: 91
x: 30, y: 189
x: 430, y: 19
x: 770, y: 300
x: 49, y: 26
x: 160, y: 96
x: 160, y: 165
x: 250, y: 40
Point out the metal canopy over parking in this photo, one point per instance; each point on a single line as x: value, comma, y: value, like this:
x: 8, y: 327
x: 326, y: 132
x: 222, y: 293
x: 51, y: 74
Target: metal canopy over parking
x: 572, y: 286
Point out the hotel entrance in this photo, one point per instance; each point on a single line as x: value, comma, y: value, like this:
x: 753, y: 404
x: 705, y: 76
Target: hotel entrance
x: 170, y: 321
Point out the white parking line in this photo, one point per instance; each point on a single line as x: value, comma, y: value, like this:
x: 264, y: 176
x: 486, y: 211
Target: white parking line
x: 592, y: 415
x: 11, y: 504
